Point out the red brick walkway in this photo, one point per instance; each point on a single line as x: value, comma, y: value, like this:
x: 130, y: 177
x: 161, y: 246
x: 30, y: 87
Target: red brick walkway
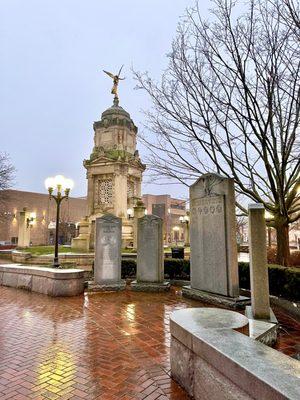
x: 103, y: 346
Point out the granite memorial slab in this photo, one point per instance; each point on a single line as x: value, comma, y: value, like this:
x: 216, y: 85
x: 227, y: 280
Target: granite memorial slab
x: 107, y: 264
x: 150, y: 262
x: 213, y: 257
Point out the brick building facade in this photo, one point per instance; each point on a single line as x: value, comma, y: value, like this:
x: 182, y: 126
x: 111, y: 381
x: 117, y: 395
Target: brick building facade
x: 42, y: 230
x: 170, y: 210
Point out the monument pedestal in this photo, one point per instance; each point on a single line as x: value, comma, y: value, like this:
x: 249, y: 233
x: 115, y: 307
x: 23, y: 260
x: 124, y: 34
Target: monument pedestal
x: 235, y: 303
x: 106, y: 287
x: 82, y: 241
x: 150, y: 286
x: 262, y: 330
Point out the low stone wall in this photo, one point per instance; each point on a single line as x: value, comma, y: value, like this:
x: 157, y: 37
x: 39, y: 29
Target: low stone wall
x: 81, y: 260
x: 50, y: 281
x: 213, y: 360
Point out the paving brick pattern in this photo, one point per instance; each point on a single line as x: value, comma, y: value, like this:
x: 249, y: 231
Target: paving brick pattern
x: 100, y: 346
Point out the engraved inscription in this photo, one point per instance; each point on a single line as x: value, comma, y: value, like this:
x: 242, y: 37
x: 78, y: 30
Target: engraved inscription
x: 213, y: 205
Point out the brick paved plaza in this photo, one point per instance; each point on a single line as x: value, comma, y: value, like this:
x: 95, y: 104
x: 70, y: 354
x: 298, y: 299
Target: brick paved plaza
x: 98, y: 346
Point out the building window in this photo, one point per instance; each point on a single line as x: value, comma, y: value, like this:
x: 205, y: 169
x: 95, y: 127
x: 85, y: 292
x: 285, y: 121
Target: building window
x: 104, y: 192
x: 178, y: 206
x: 14, y: 240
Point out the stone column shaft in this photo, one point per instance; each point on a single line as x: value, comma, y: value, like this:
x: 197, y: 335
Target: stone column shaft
x: 260, y: 302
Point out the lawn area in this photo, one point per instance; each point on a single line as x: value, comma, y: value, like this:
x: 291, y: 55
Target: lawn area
x: 43, y: 250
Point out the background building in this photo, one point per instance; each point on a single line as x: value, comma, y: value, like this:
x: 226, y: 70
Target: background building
x: 43, y: 228
x: 170, y: 210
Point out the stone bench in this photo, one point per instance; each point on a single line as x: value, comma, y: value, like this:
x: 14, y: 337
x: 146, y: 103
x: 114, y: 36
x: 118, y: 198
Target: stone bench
x: 50, y: 281
x: 213, y: 360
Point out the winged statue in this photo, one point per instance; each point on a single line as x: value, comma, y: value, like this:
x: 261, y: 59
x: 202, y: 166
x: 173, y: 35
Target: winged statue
x: 116, y: 79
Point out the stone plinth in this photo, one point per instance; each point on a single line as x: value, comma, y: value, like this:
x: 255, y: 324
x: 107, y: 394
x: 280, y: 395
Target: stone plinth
x: 82, y: 241
x: 213, y: 360
x: 150, y: 286
x: 51, y: 281
x: 214, y: 267
x: 150, y: 267
x: 236, y: 303
x: 107, y: 265
x: 260, y: 302
x: 265, y: 331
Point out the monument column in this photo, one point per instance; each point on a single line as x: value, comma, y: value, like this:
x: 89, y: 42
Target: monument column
x: 263, y: 322
x: 114, y: 168
x: 260, y: 302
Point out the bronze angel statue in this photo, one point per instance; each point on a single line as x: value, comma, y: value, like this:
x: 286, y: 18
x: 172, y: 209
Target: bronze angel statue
x: 116, y: 79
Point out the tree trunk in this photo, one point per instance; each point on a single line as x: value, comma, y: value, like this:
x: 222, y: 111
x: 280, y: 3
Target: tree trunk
x: 283, y: 246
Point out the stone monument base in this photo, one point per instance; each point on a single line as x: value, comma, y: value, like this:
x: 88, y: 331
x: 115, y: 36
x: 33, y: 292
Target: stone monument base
x: 106, y: 287
x: 262, y: 330
x: 232, y: 302
x: 150, y: 286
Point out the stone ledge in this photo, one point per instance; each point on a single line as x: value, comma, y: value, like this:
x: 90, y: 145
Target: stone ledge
x: 106, y: 287
x: 238, y: 367
x: 150, y: 286
x: 212, y: 298
x: 51, y: 281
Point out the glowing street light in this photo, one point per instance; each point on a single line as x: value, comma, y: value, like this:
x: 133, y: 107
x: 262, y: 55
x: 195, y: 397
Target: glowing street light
x: 62, y: 186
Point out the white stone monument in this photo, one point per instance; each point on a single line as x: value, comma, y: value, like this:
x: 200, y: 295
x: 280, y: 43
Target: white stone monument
x: 262, y: 321
x: 24, y: 229
x: 214, y: 267
x: 107, y: 265
x: 114, y: 172
x: 150, y: 256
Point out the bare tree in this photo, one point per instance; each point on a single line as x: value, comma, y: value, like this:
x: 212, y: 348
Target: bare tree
x: 230, y: 101
x: 6, y: 172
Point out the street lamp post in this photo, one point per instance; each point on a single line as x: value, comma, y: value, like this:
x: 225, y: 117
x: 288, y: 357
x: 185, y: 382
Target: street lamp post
x: 186, y: 221
x: 61, y: 184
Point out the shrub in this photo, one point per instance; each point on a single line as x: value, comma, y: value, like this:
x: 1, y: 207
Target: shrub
x: 295, y: 259
x: 271, y: 255
x: 244, y: 275
x: 128, y: 269
x: 283, y: 282
x: 177, y: 268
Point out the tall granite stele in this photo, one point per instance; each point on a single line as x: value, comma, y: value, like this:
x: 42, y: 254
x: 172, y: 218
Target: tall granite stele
x: 150, y: 255
x: 107, y: 264
x: 214, y: 266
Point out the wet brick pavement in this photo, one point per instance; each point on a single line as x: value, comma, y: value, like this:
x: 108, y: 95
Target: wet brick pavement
x: 98, y: 346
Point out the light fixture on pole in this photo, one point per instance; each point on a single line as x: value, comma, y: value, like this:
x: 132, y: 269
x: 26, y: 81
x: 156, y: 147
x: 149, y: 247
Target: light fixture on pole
x: 185, y: 219
x: 62, y: 186
x: 130, y: 213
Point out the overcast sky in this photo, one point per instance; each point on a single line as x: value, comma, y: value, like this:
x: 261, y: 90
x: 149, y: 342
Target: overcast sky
x: 52, y: 88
